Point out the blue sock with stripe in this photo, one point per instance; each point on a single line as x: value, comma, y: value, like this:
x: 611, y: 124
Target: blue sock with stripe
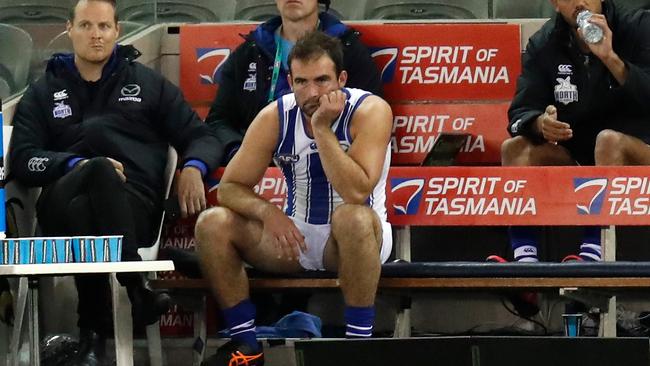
x: 240, y: 320
x: 523, y: 240
x: 359, y: 321
x: 591, y: 250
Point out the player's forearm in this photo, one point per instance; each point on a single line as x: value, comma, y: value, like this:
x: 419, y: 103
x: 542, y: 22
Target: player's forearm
x: 344, y: 174
x: 241, y: 199
x: 616, y: 67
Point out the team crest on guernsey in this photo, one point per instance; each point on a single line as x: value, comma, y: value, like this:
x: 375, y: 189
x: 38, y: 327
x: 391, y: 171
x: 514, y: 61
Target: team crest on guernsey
x: 565, y: 92
x: 61, y: 110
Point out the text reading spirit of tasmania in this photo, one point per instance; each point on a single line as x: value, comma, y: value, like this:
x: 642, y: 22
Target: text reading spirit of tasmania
x: 458, y: 74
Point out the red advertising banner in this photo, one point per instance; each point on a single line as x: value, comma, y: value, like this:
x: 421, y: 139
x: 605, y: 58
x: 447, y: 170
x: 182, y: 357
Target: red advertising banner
x: 203, y: 49
x: 445, y: 61
x: 519, y: 196
x: 272, y: 187
x: 416, y: 127
x: 463, y: 196
x: 417, y: 61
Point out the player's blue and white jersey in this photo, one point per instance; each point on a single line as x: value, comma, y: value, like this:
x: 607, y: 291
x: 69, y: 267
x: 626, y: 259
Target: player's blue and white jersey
x: 310, y: 197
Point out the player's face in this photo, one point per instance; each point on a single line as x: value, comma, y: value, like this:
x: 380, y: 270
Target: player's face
x: 569, y: 9
x: 93, y: 31
x: 296, y: 10
x: 309, y: 79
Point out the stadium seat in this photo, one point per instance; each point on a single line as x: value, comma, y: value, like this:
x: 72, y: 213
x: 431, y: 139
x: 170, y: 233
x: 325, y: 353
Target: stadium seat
x: 426, y: 9
x: 346, y: 9
x: 188, y: 11
x: 34, y: 11
x: 511, y: 9
x: 255, y: 10
x: 15, y: 56
x: 633, y: 4
x: 262, y: 10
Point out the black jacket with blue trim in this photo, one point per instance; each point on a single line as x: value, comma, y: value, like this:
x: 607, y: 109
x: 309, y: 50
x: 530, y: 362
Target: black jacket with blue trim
x: 131, y: 115
x: 245, y: 77
x: 552, y: 55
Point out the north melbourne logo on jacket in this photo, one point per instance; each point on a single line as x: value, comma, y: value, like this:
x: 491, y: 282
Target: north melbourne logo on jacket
x: 61, y: 110
x: 565, y: 92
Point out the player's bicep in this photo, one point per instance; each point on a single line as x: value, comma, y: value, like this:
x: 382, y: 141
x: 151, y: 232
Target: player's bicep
x: 256, y: 152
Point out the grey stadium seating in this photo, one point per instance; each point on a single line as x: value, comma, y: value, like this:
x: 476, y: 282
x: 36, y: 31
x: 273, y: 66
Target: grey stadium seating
x: 15, y: 55
x: 181, y: 11
x: 262, y: 10
x: 513, y: 9
x: 426, y: 9
x: 34, y: 11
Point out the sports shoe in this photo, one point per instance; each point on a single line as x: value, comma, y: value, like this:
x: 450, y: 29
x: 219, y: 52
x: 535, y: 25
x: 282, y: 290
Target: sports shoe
x: 572, y: 258
x: 236, y: 354
x: 525, y: 302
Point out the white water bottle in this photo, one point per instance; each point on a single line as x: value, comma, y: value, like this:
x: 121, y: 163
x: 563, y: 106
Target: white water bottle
x: 591, y: 32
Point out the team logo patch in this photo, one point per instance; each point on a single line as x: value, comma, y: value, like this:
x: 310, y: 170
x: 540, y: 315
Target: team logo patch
x: 209, y: 61
x: 565, y: 92
x: 565, y: 69
x: 250, y: 84
x: 60, y: 95
x: 407, y: 193
x: 61, y: 110
x: 130, y: 93
x: 590, y: 195
x: 37, y: 164
x: 386, y: 60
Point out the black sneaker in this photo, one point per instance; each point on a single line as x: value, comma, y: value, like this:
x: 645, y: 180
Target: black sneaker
x: 236, y: 354
x: 525, y: 302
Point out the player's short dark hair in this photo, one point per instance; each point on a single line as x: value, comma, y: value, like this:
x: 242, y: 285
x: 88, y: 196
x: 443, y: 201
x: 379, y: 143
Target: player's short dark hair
x: 316, y: 44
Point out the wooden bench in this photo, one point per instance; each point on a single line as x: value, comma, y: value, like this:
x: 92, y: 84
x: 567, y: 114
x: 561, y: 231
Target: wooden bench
x: 424, y: 108
x: 462, y: 196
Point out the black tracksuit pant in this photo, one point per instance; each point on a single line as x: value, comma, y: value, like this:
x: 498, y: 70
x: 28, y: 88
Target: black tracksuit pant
x: 92, y: 200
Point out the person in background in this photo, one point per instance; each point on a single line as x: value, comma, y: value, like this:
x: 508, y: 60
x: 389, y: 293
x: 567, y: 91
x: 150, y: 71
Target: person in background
x: 255, y: 74
x: 581, y: 101
x: 94, y: 133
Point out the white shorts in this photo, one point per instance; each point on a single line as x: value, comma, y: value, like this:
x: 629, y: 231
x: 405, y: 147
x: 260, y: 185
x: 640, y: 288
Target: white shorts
x: 316, y: 237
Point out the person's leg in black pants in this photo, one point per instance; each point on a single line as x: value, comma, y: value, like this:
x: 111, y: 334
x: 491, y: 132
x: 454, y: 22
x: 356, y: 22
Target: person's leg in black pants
x: 92, y: 200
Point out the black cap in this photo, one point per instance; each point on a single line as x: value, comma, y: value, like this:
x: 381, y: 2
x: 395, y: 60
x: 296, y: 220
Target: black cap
x: 326, y: 3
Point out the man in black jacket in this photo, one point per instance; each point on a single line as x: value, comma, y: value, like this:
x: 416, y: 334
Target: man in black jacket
x: 581, y: 103
x: 94, y: 133
x: 256, y: 72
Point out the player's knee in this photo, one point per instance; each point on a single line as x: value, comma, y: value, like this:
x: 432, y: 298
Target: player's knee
x: 609, y: 141
x: 212, y: 222
x: 100, y: 167
x: 512, y: 148
x: 352, y: 220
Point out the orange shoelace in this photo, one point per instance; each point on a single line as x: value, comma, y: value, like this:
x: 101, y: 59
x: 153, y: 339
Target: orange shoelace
x: 240, y: 359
